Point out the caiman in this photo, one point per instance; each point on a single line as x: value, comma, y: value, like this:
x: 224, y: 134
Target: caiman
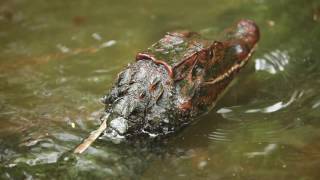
x: 176, y: 80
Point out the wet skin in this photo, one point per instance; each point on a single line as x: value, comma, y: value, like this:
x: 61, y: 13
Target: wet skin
x: 176, y: 80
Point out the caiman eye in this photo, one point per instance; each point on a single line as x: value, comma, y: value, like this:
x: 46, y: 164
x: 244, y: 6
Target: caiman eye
x: 211, y: 53
x: 197, y: 71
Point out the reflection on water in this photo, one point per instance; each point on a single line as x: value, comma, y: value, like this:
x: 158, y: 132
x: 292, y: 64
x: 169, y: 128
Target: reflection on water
x: 273, y: 62
x: 275, y: 107
x: 58, y: 58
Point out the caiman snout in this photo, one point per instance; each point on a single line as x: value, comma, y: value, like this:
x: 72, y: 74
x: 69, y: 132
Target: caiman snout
x: 242, y: 39
x: 247, y: 31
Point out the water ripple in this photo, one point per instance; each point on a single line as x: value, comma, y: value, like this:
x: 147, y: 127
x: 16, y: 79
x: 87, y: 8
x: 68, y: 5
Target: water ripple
x: 266, y: 151
x: 272, y: 62
x: 277, y: 106
x: 220, y: 135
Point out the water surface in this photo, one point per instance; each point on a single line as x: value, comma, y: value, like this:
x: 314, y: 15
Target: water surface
x: 57, y: 58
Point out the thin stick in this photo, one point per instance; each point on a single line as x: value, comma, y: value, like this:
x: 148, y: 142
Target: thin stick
x: 93, y: 136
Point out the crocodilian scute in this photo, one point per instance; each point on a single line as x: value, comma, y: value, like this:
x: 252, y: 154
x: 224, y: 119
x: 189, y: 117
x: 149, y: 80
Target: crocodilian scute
x: 140, y: 102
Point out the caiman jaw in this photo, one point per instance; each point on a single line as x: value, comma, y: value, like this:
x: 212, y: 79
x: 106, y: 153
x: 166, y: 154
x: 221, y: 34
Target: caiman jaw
x: 231, y: 70
x: 241, y: 43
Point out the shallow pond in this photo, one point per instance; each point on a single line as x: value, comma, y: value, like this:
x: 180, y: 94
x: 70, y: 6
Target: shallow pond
x: 58, y: 58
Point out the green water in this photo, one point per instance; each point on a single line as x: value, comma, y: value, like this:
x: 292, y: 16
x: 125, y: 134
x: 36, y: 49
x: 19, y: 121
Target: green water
x: 57, y: 58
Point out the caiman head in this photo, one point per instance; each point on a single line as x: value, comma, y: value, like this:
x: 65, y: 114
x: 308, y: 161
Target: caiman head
x: 177, y: 79
x: 204, y: 75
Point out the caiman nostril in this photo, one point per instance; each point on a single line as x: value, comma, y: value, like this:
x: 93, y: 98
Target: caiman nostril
x: 241, y: 51
x: 248, y: 31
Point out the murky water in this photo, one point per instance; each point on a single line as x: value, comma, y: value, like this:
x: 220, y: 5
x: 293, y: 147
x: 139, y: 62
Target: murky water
x: 57, y: 58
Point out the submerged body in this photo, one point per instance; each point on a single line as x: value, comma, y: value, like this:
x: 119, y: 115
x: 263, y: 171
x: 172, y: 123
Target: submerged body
x: 176, y: 80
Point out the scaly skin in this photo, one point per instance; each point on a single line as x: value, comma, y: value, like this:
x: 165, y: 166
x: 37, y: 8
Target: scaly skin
x: 176, y: 80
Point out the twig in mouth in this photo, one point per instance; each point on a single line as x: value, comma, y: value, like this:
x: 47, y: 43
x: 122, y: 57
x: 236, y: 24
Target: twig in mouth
x: 92, y: 137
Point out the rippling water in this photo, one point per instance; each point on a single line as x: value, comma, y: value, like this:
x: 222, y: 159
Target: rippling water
x: 58, y: 58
